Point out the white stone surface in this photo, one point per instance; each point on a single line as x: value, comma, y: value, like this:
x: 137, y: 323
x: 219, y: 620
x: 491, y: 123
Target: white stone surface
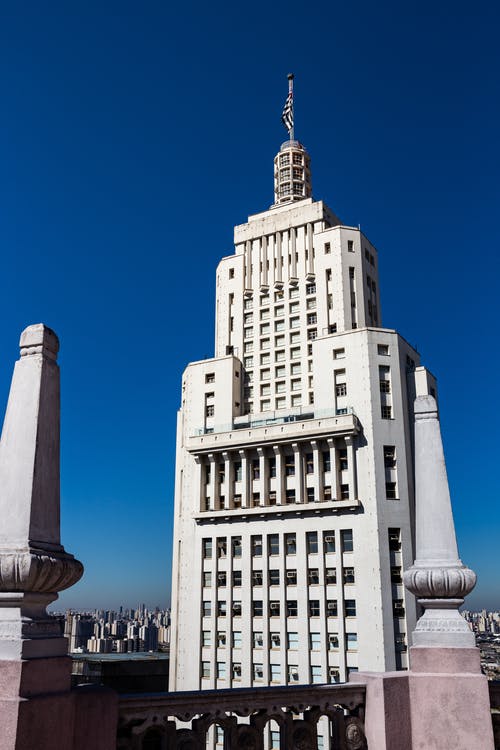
x: 33, y: 564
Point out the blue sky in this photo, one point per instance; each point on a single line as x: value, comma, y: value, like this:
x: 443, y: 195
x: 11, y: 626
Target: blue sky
x: 129, y: 131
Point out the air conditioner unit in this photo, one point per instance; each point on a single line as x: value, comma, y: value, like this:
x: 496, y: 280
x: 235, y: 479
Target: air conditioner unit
x: 333, y: 672
x: 259, y: 641
x: 291, y: 574
x: 331, y: 606
x: 275, y: 639
x: 259, y: 673
x: 237, y: 670
x: 274, y: 605
x: 330, y: 539
x: 294, y: 676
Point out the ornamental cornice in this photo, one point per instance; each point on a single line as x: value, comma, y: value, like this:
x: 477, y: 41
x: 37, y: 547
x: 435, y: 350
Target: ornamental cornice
x: 38, y: 571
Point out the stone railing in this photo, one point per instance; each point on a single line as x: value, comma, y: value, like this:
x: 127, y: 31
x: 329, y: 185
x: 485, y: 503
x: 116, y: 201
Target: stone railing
x: 187, y: 720
x: 495, y: 710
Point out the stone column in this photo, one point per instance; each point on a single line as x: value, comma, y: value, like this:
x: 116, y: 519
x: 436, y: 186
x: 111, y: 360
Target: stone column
x: 263, y: 476
x: 244, y: 478
x: 438, y: 577
x: 318, y: 475
x: 37, y: 708
x: 214, y: 496
x: 299, y: 474
x: 280, y: 476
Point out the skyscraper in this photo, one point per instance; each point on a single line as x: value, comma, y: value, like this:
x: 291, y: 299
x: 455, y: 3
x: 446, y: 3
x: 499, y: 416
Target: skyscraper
x: 294, y: 473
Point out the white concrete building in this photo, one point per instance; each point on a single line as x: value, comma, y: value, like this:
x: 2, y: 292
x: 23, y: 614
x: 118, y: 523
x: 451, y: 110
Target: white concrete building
x: 294, y: 476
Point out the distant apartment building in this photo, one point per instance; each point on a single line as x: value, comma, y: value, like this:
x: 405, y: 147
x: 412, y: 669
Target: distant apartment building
x: 294, y: 473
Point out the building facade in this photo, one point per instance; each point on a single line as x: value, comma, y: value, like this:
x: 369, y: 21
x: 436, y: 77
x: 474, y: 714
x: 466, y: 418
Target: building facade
x: 294, y: 472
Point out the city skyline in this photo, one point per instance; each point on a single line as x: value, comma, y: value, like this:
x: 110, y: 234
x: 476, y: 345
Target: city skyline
x: 75, y: 266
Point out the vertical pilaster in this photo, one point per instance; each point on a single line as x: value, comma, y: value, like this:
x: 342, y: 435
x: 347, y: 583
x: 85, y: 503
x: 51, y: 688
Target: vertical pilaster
x: 351, y: 467
x: 214, y: 499
x: 334, y: 471
x: 245, y: 479
x: 280, y: 477
x: 263, y: 477
x: 228, y: 480
x: 299, y: 474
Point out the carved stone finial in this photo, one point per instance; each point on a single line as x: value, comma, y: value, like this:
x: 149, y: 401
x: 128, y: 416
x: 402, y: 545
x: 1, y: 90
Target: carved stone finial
x: 33, y: 564
x: 438, y: 577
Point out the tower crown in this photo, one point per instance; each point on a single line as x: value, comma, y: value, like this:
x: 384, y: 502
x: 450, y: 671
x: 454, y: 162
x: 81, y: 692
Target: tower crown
x: 292, y: 173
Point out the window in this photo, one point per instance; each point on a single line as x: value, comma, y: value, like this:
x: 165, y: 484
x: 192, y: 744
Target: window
x: 280, y: 372
x: 329, y: 541
x: 343, y: 463
x: 333, y: 641
x: 312, y: 319
x: 350, y: 246
x: 290, y: 465
x: 248, y: 305
x: 310, y: 494
x: 386, y: 412
x: 258, y: 672
x: 295, y: 353
x: 312, y: 542
x: 291, y: 608
x: 221, y: 670
x: 206, y: 638
x: 333, y: 674
x: 385, y: 386
x: 290, y: 497
x: 221, y: 578
x: 331, y: 576
x: 221, y: 547
x: 294, y: 322
x: 349, y: 575
x: 257, y: 578
x: 281, y: 387
x: 295, y: 338
x: 248, y: 333
x: 347, y: 540
x: 248, y: 362
x: 383, y: 350
x: 311, y: 303
x: 350, y: 608
x: 205, y: 669
x: 257, y: 546
x: 274, y: 578
x: 398, y: 608
x: 236, y: 577
x: 258, y: 639
x: 331, y: 608
x: 293, y: 641
x: 221, y: 609
x: 273, y: 544
x: 210, y: 377
x: 272, y: 497
x: 390, y: 491
x: 231, y: 273
x: 327, y: 493
x: 309, y: 463
x: 313, y: 576
x: 237, y: 639
x: 326, y: 461
x: 314, y: 608
x: 275, y: 640
x: 396, y: 576
x: 291, y: 577
x: 272, y: 466
x: 275, y: 673
x: 344, y: 492
x: 290, y: 544
x: 207, y: 609
x: 274, y: 608
x: 327, y: 248
x: 236, y: 542
x: 236, y: 609
x: 312, y: 334
x: 279, y: 326
x: 351, y: 272
x: 265, y: 359
x: 315, y: 641
x: 265, y: 374
x: 257, y: 609
x: 295, y: 384
x: 389, y: 456
x: 293, y: 673
x: 394, y: 540
x: 209, y: 410
x: 352, y: 641
x: 310, y: 288
x: 338, y: 353
x: 341, y: 389
x: 316, y: 674
x: 207, y: 579
x: 296, y: 400
x: 207, y: 549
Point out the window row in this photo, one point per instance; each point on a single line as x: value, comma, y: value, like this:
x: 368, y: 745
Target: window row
x: 274, y: 609
x: 274, y: 577
x: 273, y: 541
x: 315, y: 676
x: 292, y: 640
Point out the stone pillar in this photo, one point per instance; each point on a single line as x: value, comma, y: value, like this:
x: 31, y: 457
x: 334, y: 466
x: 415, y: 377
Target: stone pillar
x: 318, y: 475
x: 214, y: 495
x: 263, y: 476
x: 300, y: 491
x: 37, y: 708
x: 245, y: 478
x: 443, y: 702
x: 280, y: 476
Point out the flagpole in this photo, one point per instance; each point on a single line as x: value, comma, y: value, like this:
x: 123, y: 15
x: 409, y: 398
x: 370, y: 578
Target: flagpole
x: 290, y: 92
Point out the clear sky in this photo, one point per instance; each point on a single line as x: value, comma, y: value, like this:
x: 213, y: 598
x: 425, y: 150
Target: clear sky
x: 133, y: 137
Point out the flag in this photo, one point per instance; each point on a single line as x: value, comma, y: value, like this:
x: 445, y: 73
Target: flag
x: 287, y: 114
